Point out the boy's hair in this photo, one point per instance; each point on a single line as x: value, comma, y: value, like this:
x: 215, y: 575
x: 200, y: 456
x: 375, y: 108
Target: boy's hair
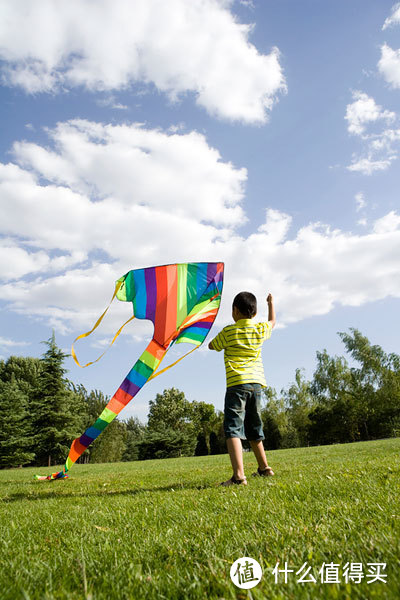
x: 246, y: 303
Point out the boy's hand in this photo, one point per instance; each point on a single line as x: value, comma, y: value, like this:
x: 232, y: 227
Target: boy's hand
x: 270, y: 299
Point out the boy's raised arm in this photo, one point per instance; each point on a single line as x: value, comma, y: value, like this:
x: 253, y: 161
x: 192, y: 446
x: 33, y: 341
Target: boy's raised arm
x: 271, y: 311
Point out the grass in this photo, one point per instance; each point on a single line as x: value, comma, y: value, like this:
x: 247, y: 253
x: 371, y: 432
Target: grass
x: 162, y: 529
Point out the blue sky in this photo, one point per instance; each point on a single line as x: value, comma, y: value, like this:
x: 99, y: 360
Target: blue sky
x: 265, y: 134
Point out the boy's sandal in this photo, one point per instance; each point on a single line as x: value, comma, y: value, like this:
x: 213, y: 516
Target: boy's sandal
x: 233, y: 481
x: 267, y: 472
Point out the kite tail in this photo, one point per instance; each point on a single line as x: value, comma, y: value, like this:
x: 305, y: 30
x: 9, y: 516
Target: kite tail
x: 141, y: 371
x: 59, y: 475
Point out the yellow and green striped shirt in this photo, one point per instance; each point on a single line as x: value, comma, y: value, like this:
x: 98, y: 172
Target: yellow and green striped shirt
x: 242, y: 343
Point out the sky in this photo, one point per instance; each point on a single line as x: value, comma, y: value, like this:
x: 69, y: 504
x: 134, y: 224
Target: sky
x: 261, y: 133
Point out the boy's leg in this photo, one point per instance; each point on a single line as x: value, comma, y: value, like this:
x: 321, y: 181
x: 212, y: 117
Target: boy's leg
x: 236, y: 455
x: 234, y: 412
x: 258, y: 449
x: 254, y: 430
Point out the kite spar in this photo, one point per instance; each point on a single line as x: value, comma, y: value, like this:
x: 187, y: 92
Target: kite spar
x: 182, y: 300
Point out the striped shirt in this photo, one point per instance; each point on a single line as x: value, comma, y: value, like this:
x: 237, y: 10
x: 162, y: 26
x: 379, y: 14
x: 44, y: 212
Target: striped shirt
x: 242, y: 343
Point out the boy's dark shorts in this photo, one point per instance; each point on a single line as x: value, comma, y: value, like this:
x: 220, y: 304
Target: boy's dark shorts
x: 242, y: 412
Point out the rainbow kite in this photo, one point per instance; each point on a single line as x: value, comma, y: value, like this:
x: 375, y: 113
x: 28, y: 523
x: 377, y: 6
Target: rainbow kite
x: 182, y: 301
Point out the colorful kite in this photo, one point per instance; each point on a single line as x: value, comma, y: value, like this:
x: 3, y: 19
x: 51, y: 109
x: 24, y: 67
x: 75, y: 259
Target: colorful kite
x: 182, y: 301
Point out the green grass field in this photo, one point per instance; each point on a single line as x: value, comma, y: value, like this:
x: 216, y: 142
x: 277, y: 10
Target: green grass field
x: 163, y: 529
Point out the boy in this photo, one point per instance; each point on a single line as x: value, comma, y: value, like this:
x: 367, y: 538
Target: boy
x: 242, y: 343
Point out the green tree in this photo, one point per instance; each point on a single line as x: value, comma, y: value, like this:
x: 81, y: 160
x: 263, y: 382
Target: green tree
x: 299, y: 402
x: 357, y: 403
x: 110, y: 445
x: 275, y: 420
x: 24, y: 370
x: 166, y: 443
x: 135, y: 433
x: 377, y: 382
x: 170, y: 410
x: 217, y: 441
x: 55, y: 409
x: 204, y: 419
x: 201, y: 446
x: 16, y: 448
x: 340, y: 407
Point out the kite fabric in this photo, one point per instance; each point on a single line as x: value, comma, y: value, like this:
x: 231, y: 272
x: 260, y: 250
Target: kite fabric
x: 182, y: 300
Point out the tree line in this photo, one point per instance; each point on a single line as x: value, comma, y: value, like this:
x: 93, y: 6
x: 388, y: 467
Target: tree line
x: 41, y: 411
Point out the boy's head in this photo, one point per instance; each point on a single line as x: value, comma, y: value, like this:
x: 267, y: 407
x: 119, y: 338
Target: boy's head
x: 244, y: 306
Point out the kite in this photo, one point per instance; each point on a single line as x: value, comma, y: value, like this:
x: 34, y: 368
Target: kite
x: 182, y: 300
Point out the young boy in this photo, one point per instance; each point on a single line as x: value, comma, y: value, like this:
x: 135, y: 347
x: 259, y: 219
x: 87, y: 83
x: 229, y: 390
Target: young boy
x: 242, y: 343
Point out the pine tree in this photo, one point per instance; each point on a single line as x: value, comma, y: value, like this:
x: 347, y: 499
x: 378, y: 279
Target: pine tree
x: 15, y: 429
x: 56, y: 409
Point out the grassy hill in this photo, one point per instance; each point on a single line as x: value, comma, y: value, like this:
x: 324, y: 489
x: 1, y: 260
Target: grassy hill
x: 163, y: 529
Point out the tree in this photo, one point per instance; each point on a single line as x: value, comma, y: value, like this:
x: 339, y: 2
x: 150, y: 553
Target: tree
x: 299, y: 403
x: 217, y: 439
x: 340, y: 408
x: 273, y: 437
x: 166, y: 443
x: 55, y: 409
x: 170, y: 410
x: 204, y: 419
x: 15, y: 428
x: 19, y: 377
x: 24, y: 370
x: 377, y: 382
x: 110, y: 445
x: 275, y: 420
x: 201, y: 446
x: 135, y: 432
x: 357, y: 403
x: 332, y: 379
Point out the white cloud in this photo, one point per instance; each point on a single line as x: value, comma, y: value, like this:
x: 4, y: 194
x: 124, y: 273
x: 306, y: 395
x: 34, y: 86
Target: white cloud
x: 389, y: 65
x: 363, y: 111
x: 15, y: 261
x: 387, y: 224
x: 360, y: 201
x: 111, y: 102
x: 380, y: 147
x: 57, y: 204
x: 178, y: 46
x: 367, y: 165
x: 128, y: 169
x: 7, y: 343
x: 394, y: 18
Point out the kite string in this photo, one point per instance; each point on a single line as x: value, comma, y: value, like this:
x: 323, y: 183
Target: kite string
x: 99, y: 320
x: 154, y: 374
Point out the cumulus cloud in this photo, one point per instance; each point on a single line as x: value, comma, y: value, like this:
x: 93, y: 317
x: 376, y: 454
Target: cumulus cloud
x: 59, y: 205
x: 177, y: 46
x: 389, y: 65
x: 380, y: 147
x: 394, y: 18
x: 363, y: 111
x: 387, y: 224
x: 130, y: 166
x: 16, y: 261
